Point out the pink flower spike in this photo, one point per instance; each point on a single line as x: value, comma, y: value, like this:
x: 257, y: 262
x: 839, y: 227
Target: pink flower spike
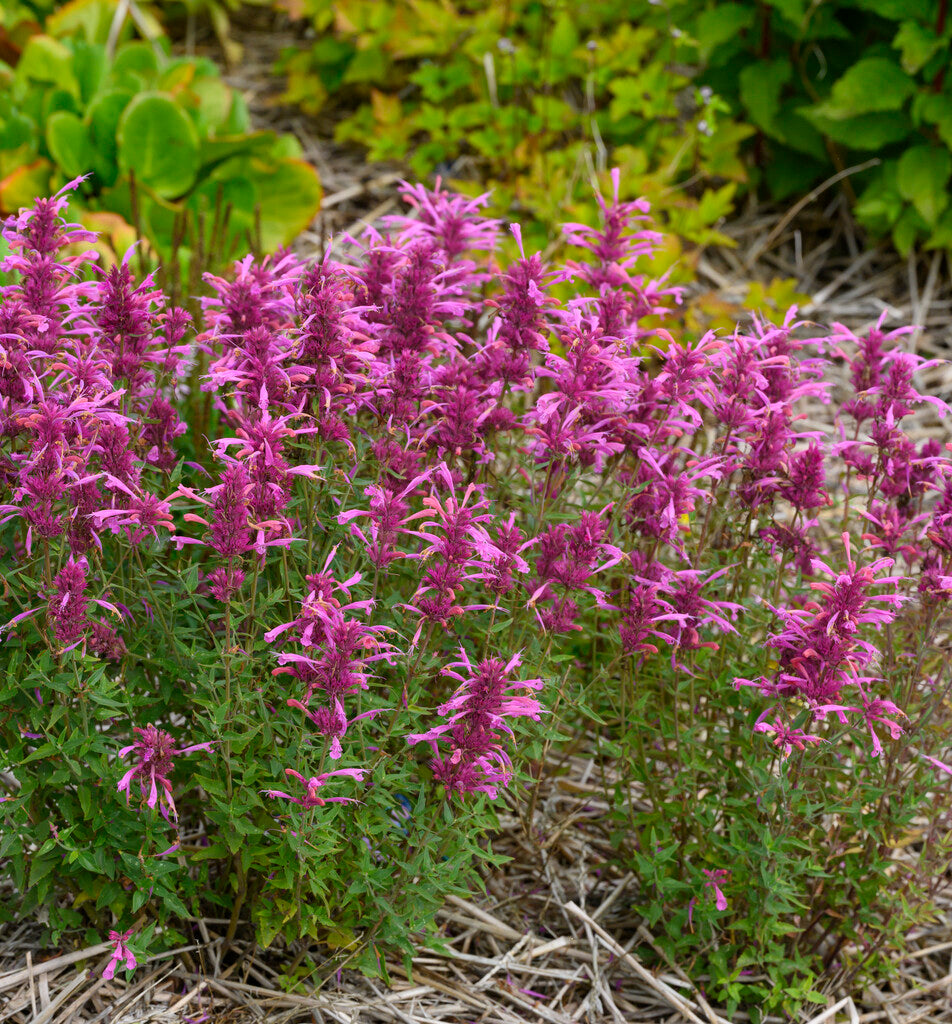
x: 313, y: 785
x: 121, y: 952
x: 155, y: 749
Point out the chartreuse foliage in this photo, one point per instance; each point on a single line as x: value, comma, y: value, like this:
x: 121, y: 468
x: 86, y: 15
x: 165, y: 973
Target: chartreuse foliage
x: 529, y: 97
x: 168, y: 144
x: 280, y: 633
x: 836, y: 84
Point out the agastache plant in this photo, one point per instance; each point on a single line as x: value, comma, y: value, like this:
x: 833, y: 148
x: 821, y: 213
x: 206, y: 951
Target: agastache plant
x: 449, y: 521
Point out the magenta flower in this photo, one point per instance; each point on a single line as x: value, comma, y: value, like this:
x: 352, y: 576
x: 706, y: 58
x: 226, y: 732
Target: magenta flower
x: 66, y: 610
x: 121, y: 952
x: 820, y: 646
x: 452, y: 221
x: 154, y: 750
x: 715, y: 877
x: 784, y: 739
x: 314, y: 785
x: 474, y: 721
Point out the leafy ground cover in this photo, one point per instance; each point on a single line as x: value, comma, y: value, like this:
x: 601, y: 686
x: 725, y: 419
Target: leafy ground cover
x: 697, y: 100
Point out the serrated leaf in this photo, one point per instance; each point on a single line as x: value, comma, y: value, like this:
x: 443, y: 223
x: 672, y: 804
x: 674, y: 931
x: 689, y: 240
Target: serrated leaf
x: 719, y: 24
x: 916, y: 44
x: 864, y: 132
x: 760, y: 88
x: 874, y: 84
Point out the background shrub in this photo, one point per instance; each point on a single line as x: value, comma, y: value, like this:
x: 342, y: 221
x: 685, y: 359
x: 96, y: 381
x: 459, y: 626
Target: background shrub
x: 836, y: 86
x: 172, y: 153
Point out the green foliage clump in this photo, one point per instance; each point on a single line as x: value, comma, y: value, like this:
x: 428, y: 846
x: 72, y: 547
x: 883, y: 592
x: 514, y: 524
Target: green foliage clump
x: 836, y: 85
x: 168, y: 143
x: 530, y: 97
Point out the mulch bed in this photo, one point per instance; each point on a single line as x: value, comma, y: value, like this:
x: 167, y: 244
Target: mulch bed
x: 551, y: 938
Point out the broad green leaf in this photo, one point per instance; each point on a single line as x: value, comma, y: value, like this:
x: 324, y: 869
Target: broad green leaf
x: 916, y: 44
x: 59, y: 99
x: 215, y: 151
x: 68, y: 140
x: 924, y: 172
x: 158, y: 141
x: 721, y: 23
x: 90, y: 67
x: 289, y: 196
x: 103, y: 116
x: 867, y: 131
x: 89, y: 19
x: 760, y: 87
x: 16, y: 130
x: 137, y: 57
x: 45, y: 59
x: 871, y: 85
x: 214, y: 101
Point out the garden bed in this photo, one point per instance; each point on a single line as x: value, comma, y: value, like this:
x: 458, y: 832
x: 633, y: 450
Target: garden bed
x: 551, y: 939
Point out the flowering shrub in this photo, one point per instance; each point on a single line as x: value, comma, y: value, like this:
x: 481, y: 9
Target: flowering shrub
x: 285, y: 669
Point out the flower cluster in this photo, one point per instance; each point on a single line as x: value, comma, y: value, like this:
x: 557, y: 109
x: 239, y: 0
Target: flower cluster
x: 474, y: 723
x: 410, y: 459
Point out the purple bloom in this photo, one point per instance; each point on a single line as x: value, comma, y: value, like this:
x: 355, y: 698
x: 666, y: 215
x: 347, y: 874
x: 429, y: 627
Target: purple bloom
x: 712, y: 883
x: 120, y: 953
x: 314, y: 785
x: 154, y: 750
x: 66, y: 609
x: 474, y: 721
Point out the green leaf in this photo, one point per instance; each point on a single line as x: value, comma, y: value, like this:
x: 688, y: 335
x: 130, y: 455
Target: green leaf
x: 760, y: 87
x: 924, y: 172
x: 158, y: 141
x: 871, y: 85
x: 880, y: 205
x: 721, y: 23
x: 47, y: 60
x: 16, y: 130
x: 89, y: 65
x: 916, y: 44
x: 91, y: 19
x: 103, y: 116
x: 69, y: 143
x: 867, y: 131
x: 941, y: 237
x: 214, y: 104
x: 563, y: 38
x: 897, y: 10
x: 907, y: 229
x: 287, y: 194
x: 138, y: 57
x: 795, y: 11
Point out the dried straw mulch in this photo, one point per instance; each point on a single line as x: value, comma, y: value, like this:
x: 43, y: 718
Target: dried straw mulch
x: 551, y: 940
